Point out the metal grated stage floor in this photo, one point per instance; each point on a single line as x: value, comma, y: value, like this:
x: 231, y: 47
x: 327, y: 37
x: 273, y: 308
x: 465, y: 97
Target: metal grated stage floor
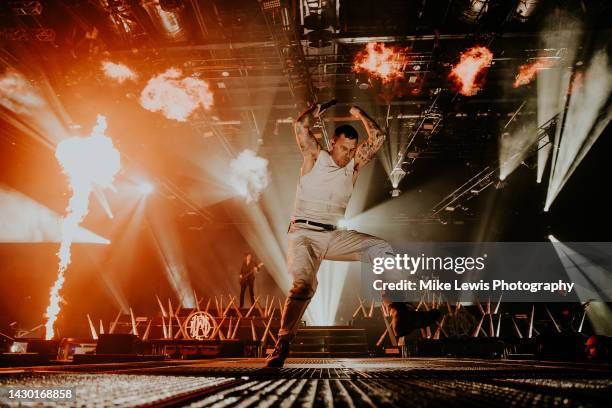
x: 324, y: 382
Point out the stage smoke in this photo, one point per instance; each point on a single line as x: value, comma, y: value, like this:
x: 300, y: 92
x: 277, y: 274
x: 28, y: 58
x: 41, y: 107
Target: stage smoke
x: 323, y: 307
x: 552, y: 84
x: 17, y: 95
x: 588, y: 114
x: 514, y: 148
x: 29, y: 111
x: 591, y: 282
x: 170, y: 251
x: 249, y: 175
x: 24, y: 220
x: 118, y: 72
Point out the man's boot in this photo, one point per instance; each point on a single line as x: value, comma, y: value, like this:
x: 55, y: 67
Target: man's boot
x: 404, y: 321
x: 293, y: 310
x: 279, y: 355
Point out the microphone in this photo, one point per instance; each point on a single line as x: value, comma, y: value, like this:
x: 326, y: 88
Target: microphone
x: 325, y: 106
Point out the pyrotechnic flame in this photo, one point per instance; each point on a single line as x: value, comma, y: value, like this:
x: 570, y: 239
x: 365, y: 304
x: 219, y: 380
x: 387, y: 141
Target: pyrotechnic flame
x: 17, y: 95
x: 528, y: 71
x: 469, y: 73
x: 249, y: 175
x: 118, y: 72
x: 88, y: 162
x: 380, y: 61
x: 175, y: 96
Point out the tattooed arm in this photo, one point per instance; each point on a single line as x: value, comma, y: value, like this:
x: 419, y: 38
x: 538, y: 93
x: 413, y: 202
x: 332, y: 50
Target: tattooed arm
x: 306, y: 141
x: 376, y: 137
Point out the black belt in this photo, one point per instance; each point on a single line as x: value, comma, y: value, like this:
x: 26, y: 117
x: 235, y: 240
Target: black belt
x: 327, y: 227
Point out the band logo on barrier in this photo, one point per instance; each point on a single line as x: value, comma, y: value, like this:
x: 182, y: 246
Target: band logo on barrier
x: 200, y: 325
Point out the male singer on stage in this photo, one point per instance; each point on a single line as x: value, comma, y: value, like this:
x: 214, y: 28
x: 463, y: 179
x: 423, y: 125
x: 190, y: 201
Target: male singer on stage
x: 326, y: 182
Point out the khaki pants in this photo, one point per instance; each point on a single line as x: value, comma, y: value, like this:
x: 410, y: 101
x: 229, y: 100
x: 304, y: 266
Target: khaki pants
x: 307, y: 247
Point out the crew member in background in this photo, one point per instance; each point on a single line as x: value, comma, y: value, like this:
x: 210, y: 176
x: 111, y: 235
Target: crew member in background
x: 247, y: 277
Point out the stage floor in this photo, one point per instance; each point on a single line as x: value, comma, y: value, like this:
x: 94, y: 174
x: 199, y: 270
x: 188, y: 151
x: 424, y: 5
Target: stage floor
x: 324, y: 382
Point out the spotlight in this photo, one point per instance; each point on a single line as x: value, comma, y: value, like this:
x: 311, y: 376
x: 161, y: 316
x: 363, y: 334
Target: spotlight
x: 145, y: 188
x: 396, y: 192
x: 396, y: 176
x: 500, y: 184
x: 19, y: 347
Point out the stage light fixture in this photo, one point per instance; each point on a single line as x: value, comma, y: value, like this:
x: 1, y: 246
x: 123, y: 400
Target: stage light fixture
x: 395, y: 192
x: 396, y: 176
x: 146, y: 188
x: 500, y: 184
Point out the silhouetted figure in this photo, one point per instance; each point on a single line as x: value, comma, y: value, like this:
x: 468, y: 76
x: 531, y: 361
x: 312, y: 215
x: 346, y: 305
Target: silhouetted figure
x: 247, y: 278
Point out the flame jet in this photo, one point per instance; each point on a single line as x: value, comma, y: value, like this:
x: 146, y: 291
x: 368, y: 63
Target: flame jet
x: 88, y: 162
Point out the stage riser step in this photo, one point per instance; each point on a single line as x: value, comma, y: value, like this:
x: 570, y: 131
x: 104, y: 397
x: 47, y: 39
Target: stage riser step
x: 324, y: 341
x: 306, y: 348
x: 324, y: 333
x: 330, y: 340
x: 330, y: 328
x: 316, y: 345
x: 325, y: 354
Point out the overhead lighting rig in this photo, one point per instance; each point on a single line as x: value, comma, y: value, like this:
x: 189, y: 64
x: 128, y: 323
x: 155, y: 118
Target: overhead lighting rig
x: 26, y: 8
x: 488, y: 176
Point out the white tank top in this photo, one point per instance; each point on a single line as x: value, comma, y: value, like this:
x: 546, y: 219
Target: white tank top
x: 324, y: 192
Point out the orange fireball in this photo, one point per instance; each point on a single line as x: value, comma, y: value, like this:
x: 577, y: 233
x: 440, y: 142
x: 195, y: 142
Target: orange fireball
x: 468, y: 75
x: 380, y: 61
x: 176, y: 96
x: 528, y: 71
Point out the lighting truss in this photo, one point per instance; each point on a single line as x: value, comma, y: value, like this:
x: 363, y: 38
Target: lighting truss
x: 26, y: 8
x: 488, y: 175
x: 430, y: 113
x: 291, y: 55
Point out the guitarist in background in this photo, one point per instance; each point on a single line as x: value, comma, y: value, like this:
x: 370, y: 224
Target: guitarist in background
x: 247, y: 277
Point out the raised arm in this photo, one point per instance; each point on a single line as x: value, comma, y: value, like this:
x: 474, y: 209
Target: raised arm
x: 376, y: 137
x: 306, y: 141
